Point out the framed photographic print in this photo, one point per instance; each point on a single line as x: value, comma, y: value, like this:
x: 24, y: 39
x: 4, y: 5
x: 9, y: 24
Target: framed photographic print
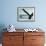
x: 26, y: 14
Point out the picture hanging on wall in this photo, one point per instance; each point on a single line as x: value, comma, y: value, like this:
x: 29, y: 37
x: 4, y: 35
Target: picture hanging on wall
x: 26, y: 14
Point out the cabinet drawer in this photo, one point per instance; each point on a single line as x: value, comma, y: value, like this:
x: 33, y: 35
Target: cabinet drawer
x: 34, y: 33
x: 37, y: 45
x: 13, y: 33
x: 8, y: 45
x: 12, y: 39
x: 13, y: 44
x: 33, y: 40
x: 37, y: 40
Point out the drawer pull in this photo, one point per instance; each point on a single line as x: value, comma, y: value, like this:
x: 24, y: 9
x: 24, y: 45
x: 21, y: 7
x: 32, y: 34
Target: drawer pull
x: 33, y: 39
x: 11, y: 38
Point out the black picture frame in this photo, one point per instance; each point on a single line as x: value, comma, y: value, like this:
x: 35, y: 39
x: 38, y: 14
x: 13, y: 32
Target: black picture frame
x: 26, y: 14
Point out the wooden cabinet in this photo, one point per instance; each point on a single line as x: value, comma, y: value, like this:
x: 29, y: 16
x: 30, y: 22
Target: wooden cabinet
x: 23, y: 39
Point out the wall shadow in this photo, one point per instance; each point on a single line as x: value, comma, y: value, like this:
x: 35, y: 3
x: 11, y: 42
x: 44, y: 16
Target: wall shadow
x: 2, y: 29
